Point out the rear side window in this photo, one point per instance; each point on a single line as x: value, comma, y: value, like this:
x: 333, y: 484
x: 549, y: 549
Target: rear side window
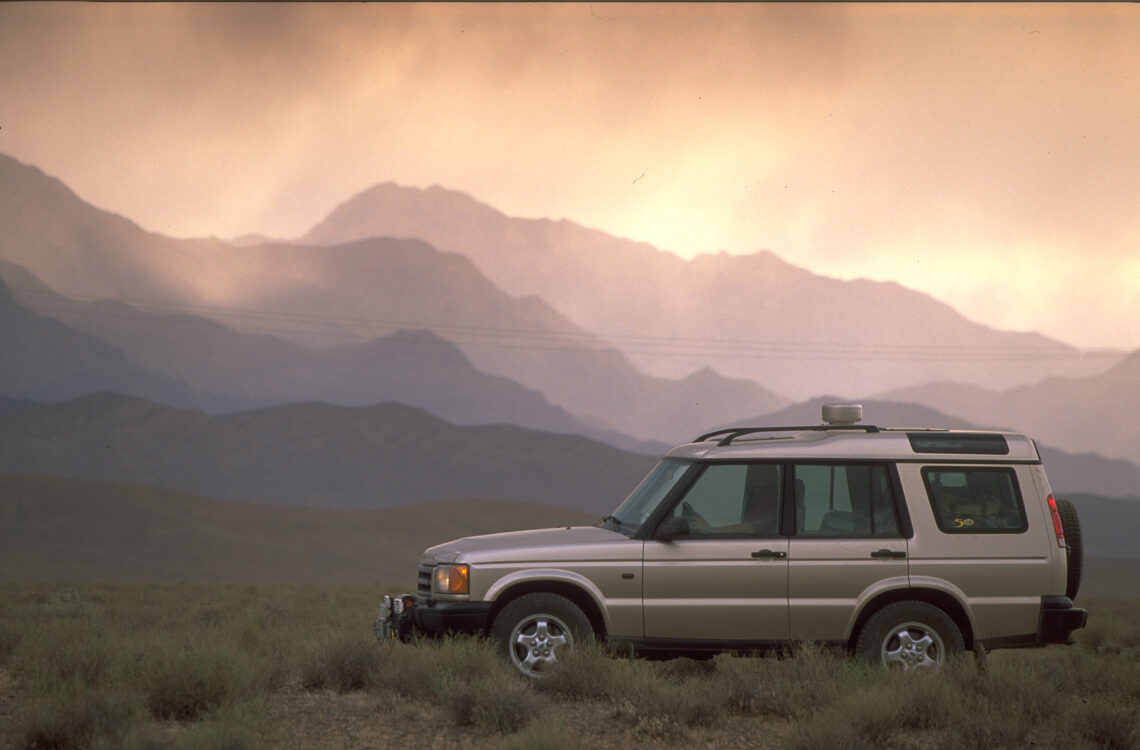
x: 844, y: 500
x: 975, y: 500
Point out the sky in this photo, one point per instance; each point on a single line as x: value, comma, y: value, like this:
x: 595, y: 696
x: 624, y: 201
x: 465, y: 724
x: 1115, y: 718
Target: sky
x: 986, y: 154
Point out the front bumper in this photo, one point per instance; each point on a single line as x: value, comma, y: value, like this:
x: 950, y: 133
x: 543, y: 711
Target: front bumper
x: 404, y: 615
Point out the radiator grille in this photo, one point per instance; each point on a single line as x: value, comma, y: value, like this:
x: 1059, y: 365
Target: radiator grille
x: 423, y: 581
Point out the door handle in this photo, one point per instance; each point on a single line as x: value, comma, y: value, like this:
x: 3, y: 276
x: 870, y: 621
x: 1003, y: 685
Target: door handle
x: 770, y: 554
x: 889, y: 554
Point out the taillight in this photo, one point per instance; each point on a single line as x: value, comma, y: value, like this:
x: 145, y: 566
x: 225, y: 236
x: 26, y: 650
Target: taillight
x: 1057, y: 527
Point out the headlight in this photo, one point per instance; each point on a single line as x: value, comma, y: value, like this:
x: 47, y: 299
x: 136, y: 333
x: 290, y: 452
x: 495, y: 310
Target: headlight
x: 451, y: 579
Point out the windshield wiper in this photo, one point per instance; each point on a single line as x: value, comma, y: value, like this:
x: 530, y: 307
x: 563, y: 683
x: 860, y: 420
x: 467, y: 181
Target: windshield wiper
x: 611, y: 519
x: 612, y: 523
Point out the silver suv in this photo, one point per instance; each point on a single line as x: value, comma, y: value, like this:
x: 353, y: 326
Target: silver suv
x: 903, y: 545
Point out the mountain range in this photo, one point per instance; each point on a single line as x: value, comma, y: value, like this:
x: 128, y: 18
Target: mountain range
x: 748, y: 316
x: 327, y: 298
x: 116, y: 347
x: 378, y: 319
x: 420, y: 350
x: 67, y: 529
x: 379, y: 456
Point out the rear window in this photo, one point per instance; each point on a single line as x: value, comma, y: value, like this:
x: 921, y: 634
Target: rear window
x: 958, y: 443
x: 975, y: 500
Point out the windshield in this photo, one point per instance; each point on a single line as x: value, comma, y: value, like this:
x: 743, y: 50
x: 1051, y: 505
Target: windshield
x: 644, y: 500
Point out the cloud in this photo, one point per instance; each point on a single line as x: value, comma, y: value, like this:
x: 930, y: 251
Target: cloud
x: 857, y: 140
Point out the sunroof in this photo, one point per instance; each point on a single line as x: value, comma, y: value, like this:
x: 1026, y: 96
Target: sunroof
x: 966, y: 443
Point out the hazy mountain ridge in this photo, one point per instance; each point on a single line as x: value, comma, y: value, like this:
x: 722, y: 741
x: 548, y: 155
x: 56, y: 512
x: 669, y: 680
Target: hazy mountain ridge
x: 752, y: 316
x: 1068, y: 472
x: 44, y: 360
x: 414, y: 368
x: 386, y: 455
x: 379, y: 456
x: 1077, y: 414
x: 65, y: 529
x: 80, y: 250
x: 357, y: 292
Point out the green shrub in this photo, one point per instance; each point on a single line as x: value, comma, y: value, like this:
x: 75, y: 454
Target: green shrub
x: 1106, y: 722
x: 185, y: 683
x: 77, y: 719
x: 590, y: 673
x: 543, y: 735
x: 343, y: 666
x: 422, y: 670
x: 497, y: 701
x: 61, y: 652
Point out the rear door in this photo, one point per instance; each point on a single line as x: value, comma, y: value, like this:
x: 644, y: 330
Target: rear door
x: 976, y: 537
x: 846, y: 547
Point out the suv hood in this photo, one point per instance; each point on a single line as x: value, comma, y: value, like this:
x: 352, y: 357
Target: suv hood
x: 564, y: 543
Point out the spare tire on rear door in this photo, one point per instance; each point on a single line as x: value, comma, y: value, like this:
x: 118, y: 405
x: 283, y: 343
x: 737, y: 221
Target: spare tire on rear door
x: 1071, y: 526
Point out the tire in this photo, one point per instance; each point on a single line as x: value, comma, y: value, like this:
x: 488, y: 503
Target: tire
x: 1075, y: 547
x: 535, y: 629
x: 909, y: 635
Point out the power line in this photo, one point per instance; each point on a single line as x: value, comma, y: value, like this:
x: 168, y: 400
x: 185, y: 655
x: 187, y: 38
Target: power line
x: 358, y: 328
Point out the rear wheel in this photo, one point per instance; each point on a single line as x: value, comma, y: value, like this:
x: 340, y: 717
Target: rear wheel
x: 535, y: 630
x: 909, y: 635
x: 1071, y: 525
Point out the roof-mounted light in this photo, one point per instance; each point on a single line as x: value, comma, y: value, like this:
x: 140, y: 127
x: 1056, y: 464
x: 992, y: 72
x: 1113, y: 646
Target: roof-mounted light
x: 842, y: 414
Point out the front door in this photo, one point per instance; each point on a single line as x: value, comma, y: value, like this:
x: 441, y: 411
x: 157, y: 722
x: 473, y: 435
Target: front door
x: 727, y: 579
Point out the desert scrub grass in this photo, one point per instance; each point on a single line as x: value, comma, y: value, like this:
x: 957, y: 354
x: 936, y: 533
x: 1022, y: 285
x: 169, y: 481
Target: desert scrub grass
x: 545, y: 735
x: 76, y: 719
x: 591, y: 672
x: 463, y: 674
x: 870, y: 707
x: 344, y: 665
x: 662, y: 706
x: 420, y: 670
x: 1112, y: 626
x: 1106, y: 722
x: 238, y: 726
x: 497, y: 701
x: 184, y: 682
x: 789, y: 685
x: 62, y: 652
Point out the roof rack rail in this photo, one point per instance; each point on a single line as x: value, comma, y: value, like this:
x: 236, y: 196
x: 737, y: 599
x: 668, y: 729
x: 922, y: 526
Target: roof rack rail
x: 732, y: 433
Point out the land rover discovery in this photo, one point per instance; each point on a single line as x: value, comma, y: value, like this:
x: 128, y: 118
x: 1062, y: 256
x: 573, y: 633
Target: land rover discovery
x: 905, y: 546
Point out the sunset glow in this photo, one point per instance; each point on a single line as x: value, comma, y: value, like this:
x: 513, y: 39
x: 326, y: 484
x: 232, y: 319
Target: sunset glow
x: 983, y: 153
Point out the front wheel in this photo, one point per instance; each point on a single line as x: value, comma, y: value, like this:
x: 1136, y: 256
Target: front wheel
x: 909, y: 635
x: 536, y: 629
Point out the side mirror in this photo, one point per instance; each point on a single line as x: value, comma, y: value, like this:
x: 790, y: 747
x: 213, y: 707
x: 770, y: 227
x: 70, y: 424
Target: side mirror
x: 673, y: 528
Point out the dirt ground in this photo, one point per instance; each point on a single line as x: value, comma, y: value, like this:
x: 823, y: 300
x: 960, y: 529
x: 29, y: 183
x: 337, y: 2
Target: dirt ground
x: 326, y: 720
x: 360, y: 721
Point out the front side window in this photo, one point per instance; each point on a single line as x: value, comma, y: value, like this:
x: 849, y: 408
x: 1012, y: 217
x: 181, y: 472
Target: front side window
x: 733, y: 500
x: 975, y: 500
x: 844, y: 500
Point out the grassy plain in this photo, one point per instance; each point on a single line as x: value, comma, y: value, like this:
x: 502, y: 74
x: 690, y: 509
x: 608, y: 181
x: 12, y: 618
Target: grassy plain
x: 185, y: 665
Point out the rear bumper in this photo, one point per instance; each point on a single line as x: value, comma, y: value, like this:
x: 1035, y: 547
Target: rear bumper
x: 1059, y: 618
x: 402, y: 616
